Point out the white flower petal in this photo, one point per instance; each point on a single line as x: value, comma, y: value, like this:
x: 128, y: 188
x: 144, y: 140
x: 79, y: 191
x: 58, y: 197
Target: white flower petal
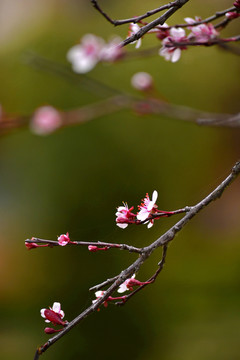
x: 56, y: 307
x: 154, y: 196
x: 150, y: 224
x: 42, y: 313
x: 122, y: 225
x: 176, y: 55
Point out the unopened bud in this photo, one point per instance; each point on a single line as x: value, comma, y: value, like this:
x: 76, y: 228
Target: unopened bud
x: 142, y: 81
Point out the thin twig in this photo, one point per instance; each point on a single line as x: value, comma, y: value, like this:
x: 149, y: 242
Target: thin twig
x: 133, y: 19
x: 86, y: 243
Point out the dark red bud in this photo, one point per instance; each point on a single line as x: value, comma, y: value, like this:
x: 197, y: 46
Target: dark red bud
x: 53, y: 317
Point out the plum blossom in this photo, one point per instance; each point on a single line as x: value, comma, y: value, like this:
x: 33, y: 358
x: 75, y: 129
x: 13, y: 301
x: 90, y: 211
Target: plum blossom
x: 45, y: 120
x: 126, y: 285
x: 54, y: 314
x: 171, y: 53
x: 147, y: 208
x: 142, y: 81
x: 129, y: 283
x: 133, y: 29
x: 202, y: 32
x: 124, y: 216
x: 111, y: 51
x: 232, y: 15
x: 161, y: 32
x: 64, y: 239
x: 85, y: 56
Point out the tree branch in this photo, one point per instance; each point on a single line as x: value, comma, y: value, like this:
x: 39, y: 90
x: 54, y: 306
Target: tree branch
x: 146, y: 253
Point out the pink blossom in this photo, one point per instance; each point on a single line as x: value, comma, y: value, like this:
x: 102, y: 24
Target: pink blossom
x: 201, y: 32
x: 45, y: 120
x: 129, y: 283
x: 133, y: 29
x: 125, y: 286
x: 85, y: 56
x: 54, y: 314
x: 142, y: 81
x: 237, y: 4
x: 124, y: 216
x: 64, y: 239
x: 161, y: 32
x: 112, y: 51
x: 172, y: 53
x: 147, y: 208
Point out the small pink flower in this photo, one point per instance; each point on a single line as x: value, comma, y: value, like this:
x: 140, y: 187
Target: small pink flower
x: 30, y: 246
x: 147, y: 208
x: 142, y: 81
x: 161, y: 33
x: 125, y: 286
x: 64, y: 239
x: 129, y: 283
x: 201, y: 32
x: 112, y: 51
x: 85, y: 56
x: 45, y: 120
x: 133, y: 29
x: 172, y: 53
x: 54, y: 314
x: 124, y: 216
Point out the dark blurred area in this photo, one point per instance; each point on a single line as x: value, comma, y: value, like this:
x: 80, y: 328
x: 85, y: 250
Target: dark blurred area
x: 74, y: 179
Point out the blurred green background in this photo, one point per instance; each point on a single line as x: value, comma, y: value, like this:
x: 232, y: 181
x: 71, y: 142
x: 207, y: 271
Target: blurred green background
x: 74, y: 179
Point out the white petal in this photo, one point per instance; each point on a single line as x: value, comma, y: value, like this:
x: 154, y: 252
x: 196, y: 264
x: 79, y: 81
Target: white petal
x: 176, y: 55
x: 56, y: 307
x: 177, y: 33
x: 154, y: 196
x: 122, y: 288
x: 42, y: 313
x: 142, y: 215
x: 189, y: 20
x: 122, y: 225
x: 138, y: 44
x: 150, y: 224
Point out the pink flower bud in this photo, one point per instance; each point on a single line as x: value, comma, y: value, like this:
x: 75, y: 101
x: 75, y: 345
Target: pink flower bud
x: 142, y: 81
x: 46, y: 120
x: 30, y: 246
x: 232, y: 15
x: 48, y: 330
x: 53, y: 317
x: 92, y: 248
x: 64, y: 239
x: 237, y: 4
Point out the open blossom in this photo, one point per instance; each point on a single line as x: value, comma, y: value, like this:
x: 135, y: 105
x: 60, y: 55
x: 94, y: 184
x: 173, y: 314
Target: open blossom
x: 142, y: 81
x: 124, y: 216
x: 86, y: 55
x: 111, y: 51
x: 129, y: 283
x: 171, y: 53
x: 126, y: 285
x: 161, y: 33
x: 45, y: 120
x: 54, y: 314
x: 201, y: 32
x: 133, y: 29
x: 64, y: 239
x: 147, y: 208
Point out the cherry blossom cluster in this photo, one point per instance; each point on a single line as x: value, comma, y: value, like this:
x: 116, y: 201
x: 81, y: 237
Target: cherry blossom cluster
x: 92, y: 50
x: 53, y: 315
x: 148, y: 212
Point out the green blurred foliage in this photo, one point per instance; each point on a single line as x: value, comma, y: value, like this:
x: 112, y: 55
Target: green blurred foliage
x: 74, y: 179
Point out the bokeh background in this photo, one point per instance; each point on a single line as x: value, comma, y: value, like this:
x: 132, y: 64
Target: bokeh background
x: 74, y: 179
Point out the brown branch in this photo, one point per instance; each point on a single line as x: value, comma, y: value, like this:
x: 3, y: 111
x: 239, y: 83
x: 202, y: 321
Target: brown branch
x: 52, y: 243
x: 146, y: 253
x: 133, y: 19
x: 210, y: 42
x: 160, y: 21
